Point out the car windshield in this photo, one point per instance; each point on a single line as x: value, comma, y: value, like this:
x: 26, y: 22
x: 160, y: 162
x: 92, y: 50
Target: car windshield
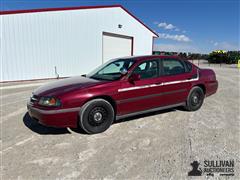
x: 111, y: 70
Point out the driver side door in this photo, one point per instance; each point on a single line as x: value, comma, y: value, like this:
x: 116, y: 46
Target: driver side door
x: 142, y: 94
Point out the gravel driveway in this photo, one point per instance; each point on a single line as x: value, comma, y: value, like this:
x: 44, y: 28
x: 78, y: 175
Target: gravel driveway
x: 159, y: 145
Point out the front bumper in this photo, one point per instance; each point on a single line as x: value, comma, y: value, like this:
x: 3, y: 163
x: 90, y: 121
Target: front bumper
x: 55, y: 118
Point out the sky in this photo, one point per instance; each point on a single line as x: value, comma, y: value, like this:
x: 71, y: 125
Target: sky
x: 199, y: 26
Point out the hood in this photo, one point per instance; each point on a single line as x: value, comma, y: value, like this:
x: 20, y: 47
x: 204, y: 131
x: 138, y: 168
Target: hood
x: 65, y: 85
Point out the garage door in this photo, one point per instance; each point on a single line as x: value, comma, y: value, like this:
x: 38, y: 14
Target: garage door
x: 115, y: 46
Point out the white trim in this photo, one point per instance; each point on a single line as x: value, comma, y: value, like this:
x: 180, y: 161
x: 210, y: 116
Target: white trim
x: 156, y: 85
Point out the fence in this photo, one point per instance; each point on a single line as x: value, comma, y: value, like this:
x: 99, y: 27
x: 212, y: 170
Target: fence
x: 205, y: 63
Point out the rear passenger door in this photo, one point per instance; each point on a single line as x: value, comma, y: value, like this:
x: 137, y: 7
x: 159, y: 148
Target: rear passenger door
x: 175, y: 76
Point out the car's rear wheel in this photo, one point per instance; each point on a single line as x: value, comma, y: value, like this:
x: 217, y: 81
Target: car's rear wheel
x: 195, y: 99
x: 96, y: 116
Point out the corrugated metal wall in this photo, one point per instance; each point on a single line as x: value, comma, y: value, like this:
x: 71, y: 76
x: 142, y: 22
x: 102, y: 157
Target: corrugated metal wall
x: 33, y: 43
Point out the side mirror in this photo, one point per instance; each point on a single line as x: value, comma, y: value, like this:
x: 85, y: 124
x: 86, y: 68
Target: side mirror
x: 134, y: 77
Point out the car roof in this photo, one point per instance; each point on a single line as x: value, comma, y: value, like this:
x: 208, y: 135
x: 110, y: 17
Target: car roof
x: 150, y: 57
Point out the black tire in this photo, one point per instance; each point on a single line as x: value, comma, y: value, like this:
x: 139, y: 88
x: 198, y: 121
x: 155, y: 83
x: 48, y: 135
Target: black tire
x: 96, y: 116
x: 195, y: 99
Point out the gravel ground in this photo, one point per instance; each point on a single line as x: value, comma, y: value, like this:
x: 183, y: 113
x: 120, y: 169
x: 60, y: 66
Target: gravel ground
x: 159, y: 145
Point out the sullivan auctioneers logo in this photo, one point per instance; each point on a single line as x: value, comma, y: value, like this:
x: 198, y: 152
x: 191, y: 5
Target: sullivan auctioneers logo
x: 220, y: 167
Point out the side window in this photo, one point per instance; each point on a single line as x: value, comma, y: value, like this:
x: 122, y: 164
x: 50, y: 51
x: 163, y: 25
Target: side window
x: 173, y: 67
x: 147, y: 69
x: 188, y: 66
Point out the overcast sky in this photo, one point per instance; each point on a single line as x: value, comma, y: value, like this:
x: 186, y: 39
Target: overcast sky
x: 188, y: 25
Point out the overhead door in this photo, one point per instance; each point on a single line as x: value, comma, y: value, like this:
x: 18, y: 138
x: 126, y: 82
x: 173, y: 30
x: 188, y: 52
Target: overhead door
x: 115, y: 46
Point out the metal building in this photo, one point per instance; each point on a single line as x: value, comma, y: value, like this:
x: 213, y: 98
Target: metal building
x: 72, y: 41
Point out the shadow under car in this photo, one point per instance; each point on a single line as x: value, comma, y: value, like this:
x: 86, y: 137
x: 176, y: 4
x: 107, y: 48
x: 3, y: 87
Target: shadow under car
x: 36, y: 127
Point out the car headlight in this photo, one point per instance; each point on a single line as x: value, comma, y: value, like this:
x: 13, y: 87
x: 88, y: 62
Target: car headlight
x: 49, y: 101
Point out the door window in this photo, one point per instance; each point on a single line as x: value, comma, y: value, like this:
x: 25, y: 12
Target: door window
x: 172, y: 67
x: 147, y: 69
x: 188, y: 66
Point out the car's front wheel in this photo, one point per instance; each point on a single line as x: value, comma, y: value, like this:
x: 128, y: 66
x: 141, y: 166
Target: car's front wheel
x: 96, y: 116
x: 195, y: 99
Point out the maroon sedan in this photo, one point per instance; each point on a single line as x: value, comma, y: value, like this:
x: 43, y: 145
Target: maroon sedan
x: 120, y: 88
